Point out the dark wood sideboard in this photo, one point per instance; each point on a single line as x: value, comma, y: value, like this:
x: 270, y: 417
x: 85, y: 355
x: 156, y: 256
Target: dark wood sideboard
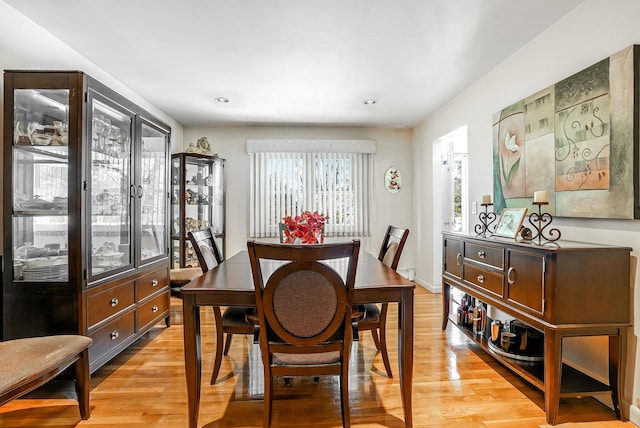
x: 561, y: 289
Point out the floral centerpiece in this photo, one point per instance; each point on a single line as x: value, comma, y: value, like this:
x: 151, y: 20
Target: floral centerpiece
x: 308, y: 227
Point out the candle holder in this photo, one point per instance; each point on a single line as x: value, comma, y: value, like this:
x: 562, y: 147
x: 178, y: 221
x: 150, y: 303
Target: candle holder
x: 541, y: 221
x: 486, y: 219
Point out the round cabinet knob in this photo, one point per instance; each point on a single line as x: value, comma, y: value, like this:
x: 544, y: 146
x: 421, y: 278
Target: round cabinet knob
x: 481, y: 254
x: 154, y: 282
x: 114, y: 335
x: 480, y: 279
x: 114, y: 301
x: 154, y: 309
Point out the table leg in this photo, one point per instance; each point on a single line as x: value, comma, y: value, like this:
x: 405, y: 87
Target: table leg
x: 615, y: 371
x: 446, y: 304
x: 405, y: 353
x: 552, y: 373
x: 192, y: 355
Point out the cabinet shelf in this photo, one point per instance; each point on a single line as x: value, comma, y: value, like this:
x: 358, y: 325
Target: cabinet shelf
x: 532, y: 372
x: 48, y: 153
x: 574, y: 382
x: 40, y: 213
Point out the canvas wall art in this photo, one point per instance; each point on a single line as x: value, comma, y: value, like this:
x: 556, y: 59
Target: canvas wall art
x: 577, y: 139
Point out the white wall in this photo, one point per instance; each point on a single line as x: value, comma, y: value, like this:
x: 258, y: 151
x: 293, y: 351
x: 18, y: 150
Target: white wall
x: 591, y: 32
x: 393, y: 149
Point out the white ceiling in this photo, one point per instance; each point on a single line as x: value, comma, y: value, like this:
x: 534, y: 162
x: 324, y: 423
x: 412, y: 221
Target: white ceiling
x: 296, y: 61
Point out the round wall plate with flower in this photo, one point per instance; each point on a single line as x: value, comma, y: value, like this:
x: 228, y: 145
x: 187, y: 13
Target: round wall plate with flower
x: 393, y: 180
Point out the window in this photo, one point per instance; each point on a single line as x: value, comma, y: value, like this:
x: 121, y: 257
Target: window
x: 333, y: 177
x: 453, y: 180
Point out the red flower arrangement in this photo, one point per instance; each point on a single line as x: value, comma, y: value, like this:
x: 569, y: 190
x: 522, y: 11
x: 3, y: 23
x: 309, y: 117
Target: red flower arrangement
x: 308, y: 226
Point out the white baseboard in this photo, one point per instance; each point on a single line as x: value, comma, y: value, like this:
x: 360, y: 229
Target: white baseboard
x: 429, y: 287
x: 634, y: 414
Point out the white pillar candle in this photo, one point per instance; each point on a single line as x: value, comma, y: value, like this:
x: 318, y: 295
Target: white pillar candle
x: 540, y: 196
x: 486, y: 199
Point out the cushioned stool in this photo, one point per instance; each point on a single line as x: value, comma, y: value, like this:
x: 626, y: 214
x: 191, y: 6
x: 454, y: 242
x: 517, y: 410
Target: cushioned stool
x: 182, y: 276
x: 26, y: 364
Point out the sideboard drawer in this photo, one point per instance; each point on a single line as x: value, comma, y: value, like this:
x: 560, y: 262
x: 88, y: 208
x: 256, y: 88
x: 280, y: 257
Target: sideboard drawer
x: 151, y: 310
x: 150, y: 283
x: 484, y: 279
x: 486, y: 254
x: 109, y: 302
x: 111, y: 335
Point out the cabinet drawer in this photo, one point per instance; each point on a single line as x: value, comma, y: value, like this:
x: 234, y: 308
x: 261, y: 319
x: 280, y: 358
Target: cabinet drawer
x: 108, y: 303
x: 152, y: 310
x: 150, y: 283
x: 486, y: 280
x: 111, y: 335
x: 491, y: 256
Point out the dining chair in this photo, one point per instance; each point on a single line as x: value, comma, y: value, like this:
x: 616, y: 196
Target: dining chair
x: 373, y: 316
x: 304, y: 309
x: 234, y: 319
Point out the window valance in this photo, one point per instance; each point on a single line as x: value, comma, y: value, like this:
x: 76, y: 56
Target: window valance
x: 310, y: 146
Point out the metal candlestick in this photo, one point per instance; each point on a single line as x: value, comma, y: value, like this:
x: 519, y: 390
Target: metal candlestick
x: 486, y: 219
x: 540, y: 221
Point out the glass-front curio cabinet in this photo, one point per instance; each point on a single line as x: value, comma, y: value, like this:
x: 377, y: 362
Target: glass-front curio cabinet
x: 86, y: 212
x: 197, y: 202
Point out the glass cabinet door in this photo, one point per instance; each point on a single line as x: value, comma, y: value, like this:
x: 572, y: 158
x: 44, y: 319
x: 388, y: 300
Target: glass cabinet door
x: 218, y: 175
x: 152, y: 193
x: 110, y: 188
x: 40, y: 194
x: 176, y: 202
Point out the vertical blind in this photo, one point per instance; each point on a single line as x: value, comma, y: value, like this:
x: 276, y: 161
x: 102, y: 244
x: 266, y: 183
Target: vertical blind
x: 333, y: 177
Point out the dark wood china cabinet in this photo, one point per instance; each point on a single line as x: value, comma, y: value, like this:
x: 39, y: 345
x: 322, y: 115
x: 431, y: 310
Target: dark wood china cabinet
x: 86, y: 212
x: 557, y: 290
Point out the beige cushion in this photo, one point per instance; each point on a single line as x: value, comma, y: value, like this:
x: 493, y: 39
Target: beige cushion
x: 390, y: 254
x: 184, y: 274
x: 319, y: 358
x: 23, y: 360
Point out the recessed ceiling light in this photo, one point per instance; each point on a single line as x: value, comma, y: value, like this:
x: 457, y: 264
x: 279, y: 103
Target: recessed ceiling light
x: 369, y: 101
x: 222, y: 100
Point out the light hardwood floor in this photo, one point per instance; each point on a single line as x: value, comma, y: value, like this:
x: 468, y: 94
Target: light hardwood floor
x: 455, y: 385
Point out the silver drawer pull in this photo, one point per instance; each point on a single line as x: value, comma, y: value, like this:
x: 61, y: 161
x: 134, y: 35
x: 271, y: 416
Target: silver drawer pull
x: 154, y: 282
x: 459, y: 259
x: 481, y: 254
x: 510, y: 275
x: 114, y: 335
x: 154, y: 309
x: 481, y: 278
x: 114, y: 301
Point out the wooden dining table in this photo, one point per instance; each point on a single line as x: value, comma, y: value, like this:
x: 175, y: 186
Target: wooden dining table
x: 231, y: 284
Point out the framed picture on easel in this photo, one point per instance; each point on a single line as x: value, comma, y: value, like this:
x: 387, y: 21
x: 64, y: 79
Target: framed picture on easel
x: 510, y: 222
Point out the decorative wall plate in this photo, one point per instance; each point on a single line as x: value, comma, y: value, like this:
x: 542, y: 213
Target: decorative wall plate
x: 393, y: 180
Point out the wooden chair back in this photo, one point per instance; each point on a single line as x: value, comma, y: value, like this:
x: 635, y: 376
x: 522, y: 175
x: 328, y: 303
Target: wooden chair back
x: 204, y: 244
x: 392, y: 246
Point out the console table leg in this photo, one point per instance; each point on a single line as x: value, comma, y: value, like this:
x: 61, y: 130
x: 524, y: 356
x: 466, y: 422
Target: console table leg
x: 552, y: 373
x: 615, y: 381
x: 446, y: 303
